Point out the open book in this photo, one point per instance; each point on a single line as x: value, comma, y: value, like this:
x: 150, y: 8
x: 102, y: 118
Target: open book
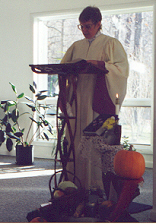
x: 95, y: 127
x: 88, y: 66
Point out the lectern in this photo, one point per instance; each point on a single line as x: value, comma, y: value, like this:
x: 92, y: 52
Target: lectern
x: 65, y: 72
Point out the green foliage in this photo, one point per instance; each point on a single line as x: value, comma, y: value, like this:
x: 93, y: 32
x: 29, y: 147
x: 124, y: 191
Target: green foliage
x: 126, y: 144
x: 9, y: 125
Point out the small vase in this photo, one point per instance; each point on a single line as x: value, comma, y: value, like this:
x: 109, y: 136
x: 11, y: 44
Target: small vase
x: 24, y: 155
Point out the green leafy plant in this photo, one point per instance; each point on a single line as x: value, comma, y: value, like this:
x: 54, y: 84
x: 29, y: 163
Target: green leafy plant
x: 10, y: 127
x: 127, y: 145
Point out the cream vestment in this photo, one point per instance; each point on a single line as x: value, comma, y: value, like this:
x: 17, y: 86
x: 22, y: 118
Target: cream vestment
x: 103, y: 48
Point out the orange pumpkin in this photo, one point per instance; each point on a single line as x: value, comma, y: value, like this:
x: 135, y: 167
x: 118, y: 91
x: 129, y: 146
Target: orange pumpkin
x: 129, y: 164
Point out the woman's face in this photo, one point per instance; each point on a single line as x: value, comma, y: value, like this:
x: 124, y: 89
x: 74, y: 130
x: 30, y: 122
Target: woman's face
x: 89, y: 29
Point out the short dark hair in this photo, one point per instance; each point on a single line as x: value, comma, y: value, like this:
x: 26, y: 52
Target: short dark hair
x: 90, y: 13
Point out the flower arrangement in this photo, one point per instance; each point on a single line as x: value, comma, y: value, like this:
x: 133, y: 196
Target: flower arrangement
x: 10, y: 127
x: 112, y: 131
x: 109, y: 123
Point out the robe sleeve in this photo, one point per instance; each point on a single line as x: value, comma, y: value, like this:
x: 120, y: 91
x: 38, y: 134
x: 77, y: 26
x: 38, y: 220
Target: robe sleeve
x: 117, y: 65
x: 68, y: 55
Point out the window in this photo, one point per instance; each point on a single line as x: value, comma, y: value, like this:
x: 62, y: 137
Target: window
x: 134, y: 29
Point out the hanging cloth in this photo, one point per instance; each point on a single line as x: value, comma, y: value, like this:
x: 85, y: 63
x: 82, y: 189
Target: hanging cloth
x: 102, y: 103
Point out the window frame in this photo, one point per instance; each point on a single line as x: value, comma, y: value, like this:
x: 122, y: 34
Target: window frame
x: 127, y: 102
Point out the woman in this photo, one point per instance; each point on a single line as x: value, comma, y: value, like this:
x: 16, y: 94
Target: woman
x: 105, y: 52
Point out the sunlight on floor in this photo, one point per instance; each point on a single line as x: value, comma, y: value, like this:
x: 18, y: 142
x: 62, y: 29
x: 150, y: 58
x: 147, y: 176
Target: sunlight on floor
x: 29, y: 173
x: 4, y: 164
x: 11, y: 171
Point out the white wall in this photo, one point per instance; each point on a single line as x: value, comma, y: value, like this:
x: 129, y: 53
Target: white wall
x: 16, y: 36
x: 16, y: 42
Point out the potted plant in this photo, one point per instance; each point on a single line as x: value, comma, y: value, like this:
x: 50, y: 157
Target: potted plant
x: 11, y: 130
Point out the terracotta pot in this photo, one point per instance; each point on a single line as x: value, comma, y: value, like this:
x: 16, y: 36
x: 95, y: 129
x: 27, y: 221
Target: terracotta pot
x: 24, y: 155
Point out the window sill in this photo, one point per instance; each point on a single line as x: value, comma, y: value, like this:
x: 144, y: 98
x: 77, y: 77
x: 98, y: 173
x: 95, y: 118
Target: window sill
x: 44, y: 143
x: 137, y: 102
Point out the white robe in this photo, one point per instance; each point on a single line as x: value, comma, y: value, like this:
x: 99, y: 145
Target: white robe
x: 103, y: 48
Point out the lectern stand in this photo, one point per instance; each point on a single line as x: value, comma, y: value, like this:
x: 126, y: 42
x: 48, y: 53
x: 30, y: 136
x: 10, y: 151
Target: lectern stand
x: 65, y: 72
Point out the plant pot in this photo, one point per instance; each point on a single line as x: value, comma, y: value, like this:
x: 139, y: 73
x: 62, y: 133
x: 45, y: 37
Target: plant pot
x: 24, y: 155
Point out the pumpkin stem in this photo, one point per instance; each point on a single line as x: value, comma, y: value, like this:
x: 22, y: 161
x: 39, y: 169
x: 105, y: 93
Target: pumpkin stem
x: 131, y: 147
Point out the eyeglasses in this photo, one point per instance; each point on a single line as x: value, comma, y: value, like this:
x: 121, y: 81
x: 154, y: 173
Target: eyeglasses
x: 88, y: 26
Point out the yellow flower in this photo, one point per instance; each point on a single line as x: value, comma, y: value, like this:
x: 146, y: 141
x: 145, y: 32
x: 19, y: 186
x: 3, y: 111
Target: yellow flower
x: 109, y: 123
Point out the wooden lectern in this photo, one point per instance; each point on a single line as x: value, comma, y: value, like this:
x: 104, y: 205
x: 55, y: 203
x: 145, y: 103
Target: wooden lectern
x: 64, y: 72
